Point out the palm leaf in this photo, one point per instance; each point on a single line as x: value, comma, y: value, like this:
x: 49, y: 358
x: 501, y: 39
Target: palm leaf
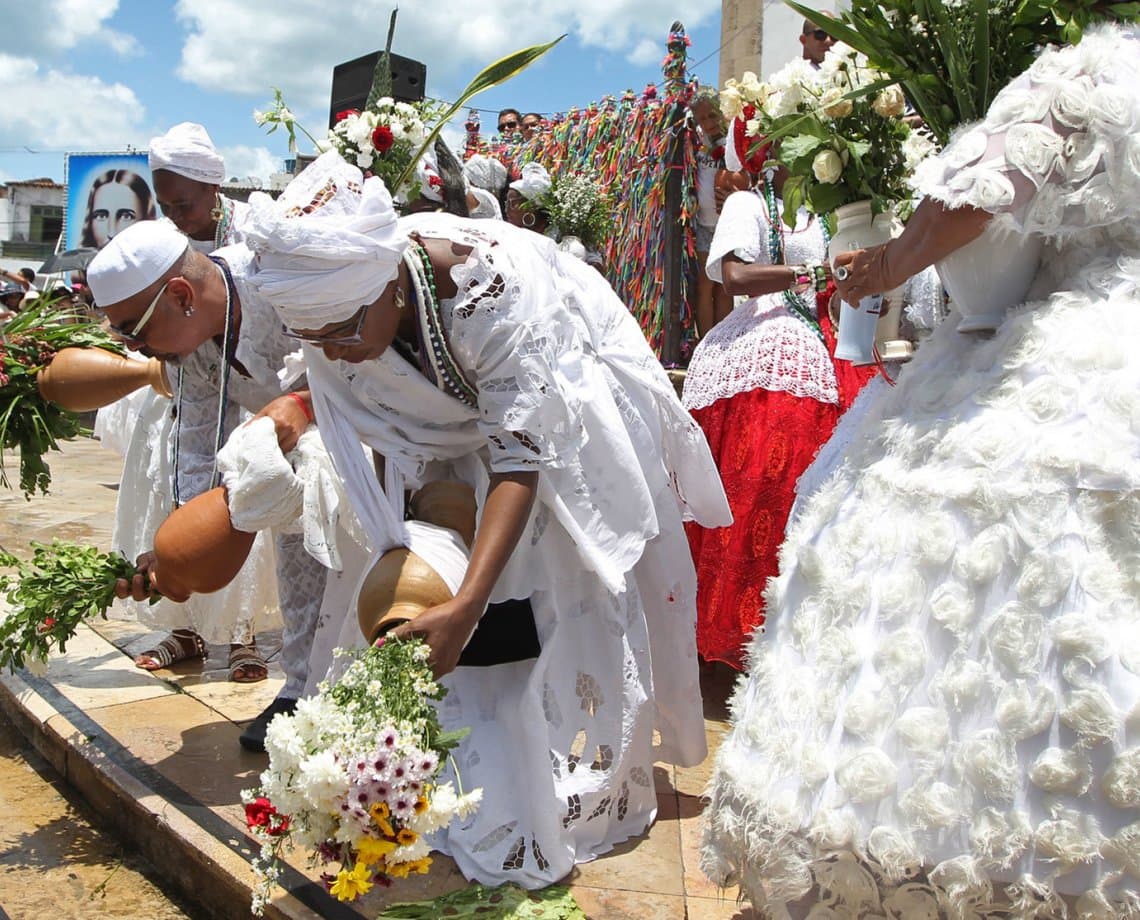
x: 834, y: 28
x: 491, y: 75
x: 382, y: 75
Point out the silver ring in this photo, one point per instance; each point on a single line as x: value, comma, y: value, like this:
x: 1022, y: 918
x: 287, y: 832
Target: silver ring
x: 841, y: 273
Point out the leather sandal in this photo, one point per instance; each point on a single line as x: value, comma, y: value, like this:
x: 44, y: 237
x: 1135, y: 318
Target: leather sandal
x: 180, y: 645
x: 246, y: 664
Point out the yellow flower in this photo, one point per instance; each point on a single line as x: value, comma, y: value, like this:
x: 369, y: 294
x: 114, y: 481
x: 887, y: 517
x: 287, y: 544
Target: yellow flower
x: 380, y: 814
x: 350, y: 885
x: 405, y: 837
x: 400, y: 870
x: 372, y: 851
x: 420, y: 866
x: 421, y: 805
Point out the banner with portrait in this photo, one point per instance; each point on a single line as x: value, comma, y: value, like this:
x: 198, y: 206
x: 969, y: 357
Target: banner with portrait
x: 106, y: 193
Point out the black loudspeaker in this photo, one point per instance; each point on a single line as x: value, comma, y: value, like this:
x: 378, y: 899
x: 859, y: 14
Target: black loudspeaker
x: 353, y: 79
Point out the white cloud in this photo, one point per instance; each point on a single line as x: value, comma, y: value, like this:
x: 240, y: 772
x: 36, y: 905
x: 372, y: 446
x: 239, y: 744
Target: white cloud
x: 647, y: 51
x: 50, y: 108
x: 243, y: 161
x: 294, y: 44
x: 58, y: 25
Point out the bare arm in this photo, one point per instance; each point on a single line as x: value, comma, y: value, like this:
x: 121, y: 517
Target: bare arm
x: 752, y: 280
x: 505, y: 513
x: 932, y: 233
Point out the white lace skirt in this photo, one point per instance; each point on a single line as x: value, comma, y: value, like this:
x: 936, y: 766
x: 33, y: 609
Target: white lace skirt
x: 248, y: 603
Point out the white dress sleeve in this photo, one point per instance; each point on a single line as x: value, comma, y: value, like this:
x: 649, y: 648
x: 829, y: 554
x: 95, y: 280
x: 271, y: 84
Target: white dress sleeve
x: 739, y: 232
x: 515, y: 352
x: 1058, y: 152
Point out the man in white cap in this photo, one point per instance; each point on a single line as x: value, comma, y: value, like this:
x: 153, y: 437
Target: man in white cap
x: 187, y: 172
x: 225, y: 349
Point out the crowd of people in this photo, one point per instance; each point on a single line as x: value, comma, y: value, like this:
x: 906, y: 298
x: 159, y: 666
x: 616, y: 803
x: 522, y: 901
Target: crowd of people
x: 927, y: 575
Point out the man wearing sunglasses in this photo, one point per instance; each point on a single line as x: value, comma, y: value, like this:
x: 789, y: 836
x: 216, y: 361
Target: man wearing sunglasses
x: 815, y: 40
x: 225, y: 347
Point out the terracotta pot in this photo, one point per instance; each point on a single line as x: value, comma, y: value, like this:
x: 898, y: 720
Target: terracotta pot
x: 402, y: 585
x: 197, y: 549
x: 82, y: 379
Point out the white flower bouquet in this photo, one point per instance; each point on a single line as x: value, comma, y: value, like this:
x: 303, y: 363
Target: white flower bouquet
x: 353, y: 776
x: 840, y: 131
x: 579, y: 207
x: 385, y: 138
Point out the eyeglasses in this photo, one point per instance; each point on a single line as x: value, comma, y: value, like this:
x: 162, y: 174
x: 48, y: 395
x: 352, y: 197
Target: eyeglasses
x: 356, y: 338
x: 507, y: 125
x: 133, y: 334
x: 818, y: 34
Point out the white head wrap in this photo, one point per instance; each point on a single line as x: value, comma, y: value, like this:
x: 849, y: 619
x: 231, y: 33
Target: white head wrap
x: 488, y: 206
x: 534, y: 183
x: 486, y: 173
x: 187, y: 150
x: 134, y: 260
x: 327, y: 246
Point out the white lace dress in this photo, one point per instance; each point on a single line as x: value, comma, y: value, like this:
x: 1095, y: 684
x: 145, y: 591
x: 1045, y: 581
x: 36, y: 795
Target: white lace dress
x: 942, y: 718
x: 563, y: 745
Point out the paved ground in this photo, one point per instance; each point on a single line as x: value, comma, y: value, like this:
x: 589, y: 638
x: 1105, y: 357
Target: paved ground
x: 57, y: 860
x: 157, y: 754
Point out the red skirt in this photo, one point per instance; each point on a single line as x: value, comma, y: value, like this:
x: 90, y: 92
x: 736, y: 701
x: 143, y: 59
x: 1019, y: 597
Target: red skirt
x: 762, y: 441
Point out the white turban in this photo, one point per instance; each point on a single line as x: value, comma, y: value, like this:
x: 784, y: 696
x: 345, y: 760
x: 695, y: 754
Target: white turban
x: 485, y: 173
x: 535, y: 182
x: 134, y: 260
x: 488, y: 205
x: 327, y: 246
x: 187, y: 150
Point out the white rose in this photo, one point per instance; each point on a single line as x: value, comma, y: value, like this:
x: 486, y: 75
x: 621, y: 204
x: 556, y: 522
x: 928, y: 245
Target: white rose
x: 1092, y: 714
x: 966, y: 149
x: 1061, y: 772
x: 895, y: 854
x: 1024, y: 710
x: 867, y: 776
x: 901, y: 658
x: 731, y: 102
x: 986, y: 188
x: 1072, y: 103
x: 1054, y: 65
x: 1015, y: 638
x: 989, y: 761
x: 1102, y: 204
x: 1111, y: 107
x: 1034, y: 149
x: 890, y: 103
x: 1046, y: 210
x: 1121, y: 783
x: 936, y: 806
x: 1065, y: 839
x: 916, y: 148
x: 827, y: 167
x: 364, y: 160
x: 924, y: 731
x: 834, y: 105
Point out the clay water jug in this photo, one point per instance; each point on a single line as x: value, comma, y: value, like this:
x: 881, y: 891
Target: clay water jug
x: 197, y: 549
x: 82, y: 379
x: 402, y: 585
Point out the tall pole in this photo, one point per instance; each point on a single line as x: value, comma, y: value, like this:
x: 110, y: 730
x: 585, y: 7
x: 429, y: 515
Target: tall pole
x: 673, y: 276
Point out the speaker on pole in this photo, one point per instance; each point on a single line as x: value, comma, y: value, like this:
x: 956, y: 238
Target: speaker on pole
x: 353, y: 79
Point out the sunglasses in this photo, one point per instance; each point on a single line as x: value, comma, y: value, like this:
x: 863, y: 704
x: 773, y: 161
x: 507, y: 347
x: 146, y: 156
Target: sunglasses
x: 356, y: 338
x: 818, y: 34
x: 505, y: 125
x: 132, y: 335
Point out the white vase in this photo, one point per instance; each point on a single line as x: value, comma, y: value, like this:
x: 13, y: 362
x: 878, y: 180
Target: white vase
x: 573, y: 245
x: 867, y: 333
x: 989, y: 275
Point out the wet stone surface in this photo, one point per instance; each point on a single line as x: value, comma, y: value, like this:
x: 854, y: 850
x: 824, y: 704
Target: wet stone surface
x: 55, y: 860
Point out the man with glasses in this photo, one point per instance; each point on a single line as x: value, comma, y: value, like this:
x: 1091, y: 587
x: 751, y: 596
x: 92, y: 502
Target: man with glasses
x: 509, y: 122
x: 225, y: 348
x: 815, y: 40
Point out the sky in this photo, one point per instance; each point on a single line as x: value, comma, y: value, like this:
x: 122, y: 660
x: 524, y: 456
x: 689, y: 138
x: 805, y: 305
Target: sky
x: 107, y: 75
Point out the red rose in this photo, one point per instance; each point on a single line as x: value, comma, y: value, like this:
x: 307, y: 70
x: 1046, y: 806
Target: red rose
x: 259, y: 812
x: 278, y: 824
x: 749, y: 111
x: 341, y: 116
x: 435, y: 181
x: 382, y: 138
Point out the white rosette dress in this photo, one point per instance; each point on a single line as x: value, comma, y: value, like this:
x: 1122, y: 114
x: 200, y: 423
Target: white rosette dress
x: 942, y: 719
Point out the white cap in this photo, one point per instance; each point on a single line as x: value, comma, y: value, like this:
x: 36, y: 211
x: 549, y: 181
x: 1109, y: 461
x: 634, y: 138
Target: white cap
x: 186, y: 149
x: 485, y: 173
x: 534, y: 183
x: 134, y: 260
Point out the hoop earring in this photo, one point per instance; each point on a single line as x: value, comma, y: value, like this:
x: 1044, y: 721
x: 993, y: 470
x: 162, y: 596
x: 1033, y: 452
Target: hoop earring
x: 528, y: 219
x: 218, y: 211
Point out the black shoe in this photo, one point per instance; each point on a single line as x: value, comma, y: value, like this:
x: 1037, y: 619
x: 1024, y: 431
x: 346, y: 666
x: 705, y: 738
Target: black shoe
x: 253, y: 738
